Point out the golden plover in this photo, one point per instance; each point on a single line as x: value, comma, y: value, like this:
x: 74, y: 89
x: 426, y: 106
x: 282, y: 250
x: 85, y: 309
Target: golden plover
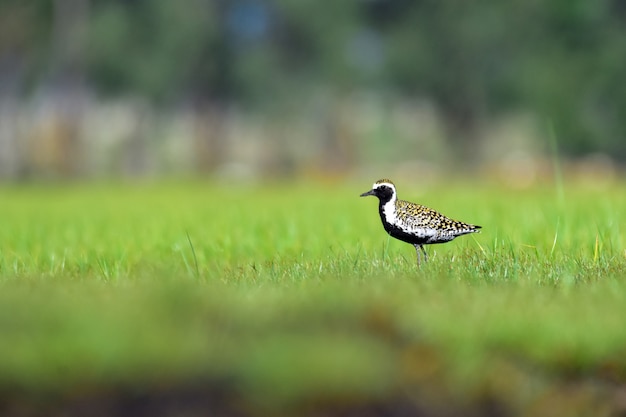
x: 414, y: 223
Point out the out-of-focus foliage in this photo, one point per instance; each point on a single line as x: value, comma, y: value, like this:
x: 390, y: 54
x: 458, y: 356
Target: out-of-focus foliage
x: 560, y: 60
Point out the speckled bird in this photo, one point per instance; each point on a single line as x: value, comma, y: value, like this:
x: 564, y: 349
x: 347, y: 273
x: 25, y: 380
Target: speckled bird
x: 414, y: 223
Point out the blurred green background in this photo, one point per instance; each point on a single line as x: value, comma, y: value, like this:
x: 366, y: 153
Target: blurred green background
x: 183, y: 296
x: 270, y: 88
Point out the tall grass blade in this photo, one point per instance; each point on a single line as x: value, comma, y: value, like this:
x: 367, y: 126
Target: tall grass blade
x: 193, y: 252
x: 556, y: 236
x: 556, y: 164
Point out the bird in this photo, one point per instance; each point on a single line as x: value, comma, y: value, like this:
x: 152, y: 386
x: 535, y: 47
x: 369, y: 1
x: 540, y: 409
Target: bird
x: 413, y: 223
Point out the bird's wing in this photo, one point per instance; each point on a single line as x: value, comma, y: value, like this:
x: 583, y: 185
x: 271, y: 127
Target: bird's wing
x: 416, y: 216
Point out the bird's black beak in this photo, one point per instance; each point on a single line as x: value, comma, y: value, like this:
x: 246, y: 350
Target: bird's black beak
x: 370, y: 192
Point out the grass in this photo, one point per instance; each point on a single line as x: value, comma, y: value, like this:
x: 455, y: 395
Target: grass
x: 290, y: 298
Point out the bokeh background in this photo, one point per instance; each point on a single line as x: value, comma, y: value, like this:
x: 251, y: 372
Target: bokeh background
x: 247, y: 89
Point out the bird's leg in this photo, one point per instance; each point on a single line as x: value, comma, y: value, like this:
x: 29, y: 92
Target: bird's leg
x: 419, y: 255
x: 425, y: 254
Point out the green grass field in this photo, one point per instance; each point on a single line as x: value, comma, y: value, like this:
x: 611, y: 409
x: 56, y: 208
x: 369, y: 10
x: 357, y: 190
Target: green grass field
x: 289, y: 299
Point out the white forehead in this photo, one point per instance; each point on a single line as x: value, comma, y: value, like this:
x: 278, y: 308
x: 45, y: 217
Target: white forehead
x: 385, y: 184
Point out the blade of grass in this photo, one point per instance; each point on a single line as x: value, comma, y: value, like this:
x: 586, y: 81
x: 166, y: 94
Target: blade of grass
x: 193, y: 252
x: 556, y: 236
x: 556, y: 164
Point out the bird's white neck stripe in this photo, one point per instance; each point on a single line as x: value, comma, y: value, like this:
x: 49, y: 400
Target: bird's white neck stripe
x: 389, y: 209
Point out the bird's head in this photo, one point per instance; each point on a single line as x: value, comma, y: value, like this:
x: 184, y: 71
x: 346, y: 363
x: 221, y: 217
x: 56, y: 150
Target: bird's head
x: 383, y: 189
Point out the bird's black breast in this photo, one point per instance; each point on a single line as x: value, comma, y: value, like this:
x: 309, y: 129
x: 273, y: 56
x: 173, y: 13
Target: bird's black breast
x: 396, y: 232
x: 400, y: 234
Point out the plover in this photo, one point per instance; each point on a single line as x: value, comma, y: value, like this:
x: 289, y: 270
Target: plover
x: 414, y: 223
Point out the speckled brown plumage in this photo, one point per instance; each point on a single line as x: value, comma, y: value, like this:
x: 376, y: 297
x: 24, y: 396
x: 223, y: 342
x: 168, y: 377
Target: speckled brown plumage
x: 414, y: 223
x: 415, y: 216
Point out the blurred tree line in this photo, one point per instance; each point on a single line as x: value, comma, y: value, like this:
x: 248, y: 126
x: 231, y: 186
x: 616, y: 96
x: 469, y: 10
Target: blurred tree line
x: 561, y: 60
